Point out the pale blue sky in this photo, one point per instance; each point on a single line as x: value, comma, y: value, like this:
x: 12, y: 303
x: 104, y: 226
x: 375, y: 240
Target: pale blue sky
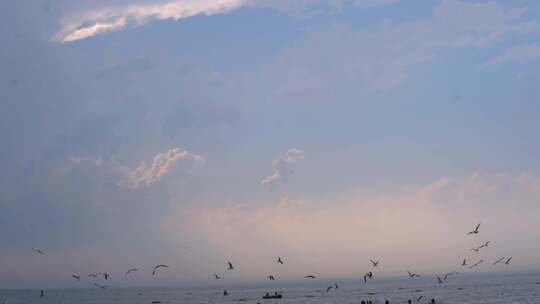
x: 400, y: 111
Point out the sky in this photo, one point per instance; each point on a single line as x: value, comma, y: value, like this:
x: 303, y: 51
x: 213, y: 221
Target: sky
x: 328, y: 132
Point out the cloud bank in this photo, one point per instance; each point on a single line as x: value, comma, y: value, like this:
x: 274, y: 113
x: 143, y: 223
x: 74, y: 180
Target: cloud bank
x: 426, y: 225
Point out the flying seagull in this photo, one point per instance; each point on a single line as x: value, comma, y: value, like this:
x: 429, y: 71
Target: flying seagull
x: 38, y: 251
x: 375, y: 263
x: 464, y: 263
x: 336, y: 286
x: 477, y: 249
x: 157, y: 267
x: 271, y: 278
x: 439, y: 280
x: 329, y: 287
x: 279, y: 260
x: 419, y: 298
x: 508, y: 261
x: 499, y: 260
x: 130, y: 271
x: 76, y: 277
x: 476, y: 264
x: 231, y: 267
x: 310, y: 277
x: 449, y: 274
x: 412, y: 275
x: 216, y: 277
x: 106, y: 275
x: 368, y: 275
x: 475, y: 231
x: 93, y: 275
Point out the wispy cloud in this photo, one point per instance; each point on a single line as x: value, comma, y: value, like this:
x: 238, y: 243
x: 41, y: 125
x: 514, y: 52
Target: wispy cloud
x: 337, y: 59
x: 282, y: 168
x: 517, y: 53
x: 108, y: 19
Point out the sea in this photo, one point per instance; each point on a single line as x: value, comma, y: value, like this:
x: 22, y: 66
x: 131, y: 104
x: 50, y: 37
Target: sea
x: 459, y: 288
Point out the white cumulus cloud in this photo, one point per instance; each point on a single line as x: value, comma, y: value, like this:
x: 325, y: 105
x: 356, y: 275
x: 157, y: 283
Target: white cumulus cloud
x: 282, y: 168
x: 162, y: 164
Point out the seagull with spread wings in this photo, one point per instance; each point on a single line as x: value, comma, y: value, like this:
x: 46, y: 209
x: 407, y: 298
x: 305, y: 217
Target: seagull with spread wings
x: 412, y: 275
x: 476, y: 230
x: 130, y: 271
x: 158, y: 267
x: 38, y: 251
x: 498, y: 261
x: 476, y: 264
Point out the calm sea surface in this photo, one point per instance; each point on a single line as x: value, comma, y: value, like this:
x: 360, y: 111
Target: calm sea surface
x: 518, y: 288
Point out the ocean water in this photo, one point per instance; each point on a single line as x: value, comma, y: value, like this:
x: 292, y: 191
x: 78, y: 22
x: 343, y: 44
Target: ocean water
x: 462, y: 288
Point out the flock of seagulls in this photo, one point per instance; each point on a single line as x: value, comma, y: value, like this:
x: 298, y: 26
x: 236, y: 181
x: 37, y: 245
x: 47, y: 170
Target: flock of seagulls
x: 367, y: 276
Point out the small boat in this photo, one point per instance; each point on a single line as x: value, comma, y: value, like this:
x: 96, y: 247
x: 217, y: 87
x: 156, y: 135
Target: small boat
x: 277, y: 296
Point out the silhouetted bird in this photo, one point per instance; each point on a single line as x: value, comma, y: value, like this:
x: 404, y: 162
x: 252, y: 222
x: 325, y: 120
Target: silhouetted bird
x: 157, y: 267
x: 412, y: 275
x: 499, y: 260
x: 475, y: 231
x: 130, y: 271
x: 440, y: 280
x: 216, y: 277
x: 368, y: 275
x: 464, y: 262
x: 508, y: 261
x: 310, y: 277
x: 38, y: 251
x: 375, y: 263
x: 271, y: 278
x: 231, y: 267
x: 41, y: 294
x: 476, y: 264
x: 76, y: 277
x: 106, y: 275
x: 449, y: 274
x: 279, y: 260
